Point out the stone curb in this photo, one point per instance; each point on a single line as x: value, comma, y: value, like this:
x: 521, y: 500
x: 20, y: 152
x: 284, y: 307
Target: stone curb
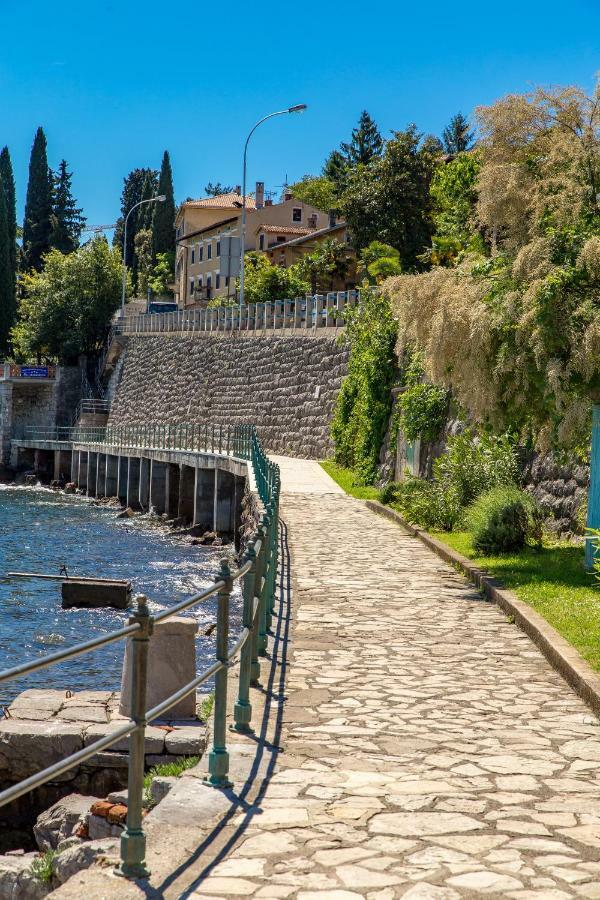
x: 559, y: 653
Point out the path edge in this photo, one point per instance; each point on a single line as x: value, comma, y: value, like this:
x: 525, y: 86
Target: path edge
x: 560, y: 654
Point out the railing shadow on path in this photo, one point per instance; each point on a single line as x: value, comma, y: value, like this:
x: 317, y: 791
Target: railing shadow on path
x: 274, y: 692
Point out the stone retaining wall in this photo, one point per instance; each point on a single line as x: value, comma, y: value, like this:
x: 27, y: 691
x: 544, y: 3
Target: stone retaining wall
x: 285, y: 384
x: 562, y: 489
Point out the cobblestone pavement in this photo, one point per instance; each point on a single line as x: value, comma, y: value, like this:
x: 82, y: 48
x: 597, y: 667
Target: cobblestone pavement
x: 430, y: 750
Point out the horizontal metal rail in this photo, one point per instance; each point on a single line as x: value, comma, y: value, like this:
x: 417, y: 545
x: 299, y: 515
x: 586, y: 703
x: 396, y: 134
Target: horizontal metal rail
x: 257, y: 574
x: 310, y: 312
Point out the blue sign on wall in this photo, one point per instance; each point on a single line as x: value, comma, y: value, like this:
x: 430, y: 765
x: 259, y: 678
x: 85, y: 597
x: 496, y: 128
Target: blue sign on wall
x: 34, y: 372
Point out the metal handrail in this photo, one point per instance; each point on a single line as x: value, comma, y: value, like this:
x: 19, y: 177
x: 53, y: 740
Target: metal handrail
x: 312, y: 311
x: 257, y: 572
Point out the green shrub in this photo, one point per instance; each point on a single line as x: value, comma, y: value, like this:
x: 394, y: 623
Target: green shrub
x: 425, y: 503
x: 41, y: 867
x: 473, y: 464
x: 423, y: 410
x: 502, y: 520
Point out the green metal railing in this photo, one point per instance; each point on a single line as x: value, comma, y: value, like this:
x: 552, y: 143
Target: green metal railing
x: 257, y: 572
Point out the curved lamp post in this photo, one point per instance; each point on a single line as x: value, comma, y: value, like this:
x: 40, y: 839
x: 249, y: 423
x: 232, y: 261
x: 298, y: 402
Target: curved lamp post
x: 160, y: 199
x: 300, y: 107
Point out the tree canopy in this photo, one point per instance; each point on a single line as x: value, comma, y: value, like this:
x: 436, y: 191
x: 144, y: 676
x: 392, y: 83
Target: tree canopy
x: 37, y: 226
x: 67, y: 219
x: 66, y: 308
x: 163, y: 218
x: 457, y: 135
x: 513, y: 327
x: 7, y: 283
x: 264, y: 281
x: 317, y: 191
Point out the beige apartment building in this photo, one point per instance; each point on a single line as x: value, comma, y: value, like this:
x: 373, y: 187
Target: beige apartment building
x: 201, y: 225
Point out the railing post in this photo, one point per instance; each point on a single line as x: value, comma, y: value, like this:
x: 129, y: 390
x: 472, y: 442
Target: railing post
x: 218, y: 758
x: 264, y: 588
x: 133, y: 839
x: 242, y: 710
x: 258, y: 578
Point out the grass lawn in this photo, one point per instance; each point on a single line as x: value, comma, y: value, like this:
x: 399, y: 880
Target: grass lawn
x: 552, y: 581
x: 345, y: 479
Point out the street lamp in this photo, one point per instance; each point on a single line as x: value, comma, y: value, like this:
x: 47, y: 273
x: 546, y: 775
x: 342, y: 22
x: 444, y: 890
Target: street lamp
x: 300, y: 107
x: 160, y: 199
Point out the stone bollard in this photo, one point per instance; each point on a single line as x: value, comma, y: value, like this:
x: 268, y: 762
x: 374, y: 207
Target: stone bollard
x: 171, y: 665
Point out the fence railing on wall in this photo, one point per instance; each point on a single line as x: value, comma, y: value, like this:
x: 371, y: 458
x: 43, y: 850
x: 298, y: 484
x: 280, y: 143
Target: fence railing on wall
x: 318, y: 311
x: 257, y: 573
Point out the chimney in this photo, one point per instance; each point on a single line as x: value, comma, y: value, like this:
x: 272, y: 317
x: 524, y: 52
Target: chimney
x: 268, y: 202
x: 287, y: 196
x: 259, y: 197
x: 332, y: 221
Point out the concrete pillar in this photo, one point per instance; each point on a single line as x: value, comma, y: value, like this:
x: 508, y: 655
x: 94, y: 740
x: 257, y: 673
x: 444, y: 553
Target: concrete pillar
x: 240, y: 489
x: 144, y: 488
x: 133, y: 482
x: 82, y: 471
x: 74, y: 466
x: 62, y: 465
x: 158, y: 484
x: 185, y: 508
x: 171, y: 665
x: 204, y: 498
x: 112, y: 475
x: 92, y: 473
x: 101, y: 475
x: 122, y: 478
x: 6, y: 415
x: 172, y: 490
x: 224, y: 501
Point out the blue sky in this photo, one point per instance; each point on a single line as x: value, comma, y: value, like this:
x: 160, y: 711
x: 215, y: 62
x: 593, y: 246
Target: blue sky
x: 115, y: 82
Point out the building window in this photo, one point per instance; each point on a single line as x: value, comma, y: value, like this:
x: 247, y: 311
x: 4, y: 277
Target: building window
x: 208, y: 282
x: 217, y: 281
x: 200, y: 253
x: 199, y: 282
x: 191, y: 285
x: 209, y: 251
x: 218, y: 248
x: 281, y: 239
x: 261, y: 242
x: 297, y: 214
x: 193, y: 256
x: 227, y: 281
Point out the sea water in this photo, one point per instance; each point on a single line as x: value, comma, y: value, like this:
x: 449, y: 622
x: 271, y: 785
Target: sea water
x: 41, y: 531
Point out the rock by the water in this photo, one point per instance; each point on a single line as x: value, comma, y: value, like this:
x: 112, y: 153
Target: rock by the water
x: 60, y: 821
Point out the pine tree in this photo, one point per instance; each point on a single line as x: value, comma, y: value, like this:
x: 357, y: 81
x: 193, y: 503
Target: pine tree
x: 8, y: 182
x: 365, y: 144
x: 336, y: 170
x: 163, y: 219
x: 133, y: 186
x: 7, y: 284
x: 67, y: 221
x: 37, y: 226
x: 213, y: 190
x: 457, y: 136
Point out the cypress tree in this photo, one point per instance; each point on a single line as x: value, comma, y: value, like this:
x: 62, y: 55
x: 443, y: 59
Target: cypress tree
x: 37, y: 226
x: 7, y: 284
x: 133, y: 186
x: 8, y: 182
x: 163, y: 219
x: 67, y: 221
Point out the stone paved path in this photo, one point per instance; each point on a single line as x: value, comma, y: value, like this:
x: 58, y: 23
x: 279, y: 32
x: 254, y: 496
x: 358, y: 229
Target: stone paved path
x: 430, y: 750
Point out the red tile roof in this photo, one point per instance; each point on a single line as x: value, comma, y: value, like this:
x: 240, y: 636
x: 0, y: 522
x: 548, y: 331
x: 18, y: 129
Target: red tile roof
x: 284, y: 229
x: 222, y: 201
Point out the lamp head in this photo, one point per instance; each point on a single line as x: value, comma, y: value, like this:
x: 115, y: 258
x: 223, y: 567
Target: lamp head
x: 300, y: 107
x: 161, y: 198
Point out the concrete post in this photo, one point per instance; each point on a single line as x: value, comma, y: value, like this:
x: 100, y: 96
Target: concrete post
x: 204, y: 498
x: 133, y: 482
x: 123, y: 478
x: 224, y: 505
x: 92, y: 473
x: 6, y: 416
x: 74, y: 466
x: 171, y: 665
x: 144, y: 487
x: 101, y: 475
x: 239, y: 491
x: 158, y: 484
x: 172, y: 490
x: 185, y: 508
x: 112, y: 475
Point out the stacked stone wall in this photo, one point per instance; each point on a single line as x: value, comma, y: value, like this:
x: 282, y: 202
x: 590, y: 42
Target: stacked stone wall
x: 285, y: 384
